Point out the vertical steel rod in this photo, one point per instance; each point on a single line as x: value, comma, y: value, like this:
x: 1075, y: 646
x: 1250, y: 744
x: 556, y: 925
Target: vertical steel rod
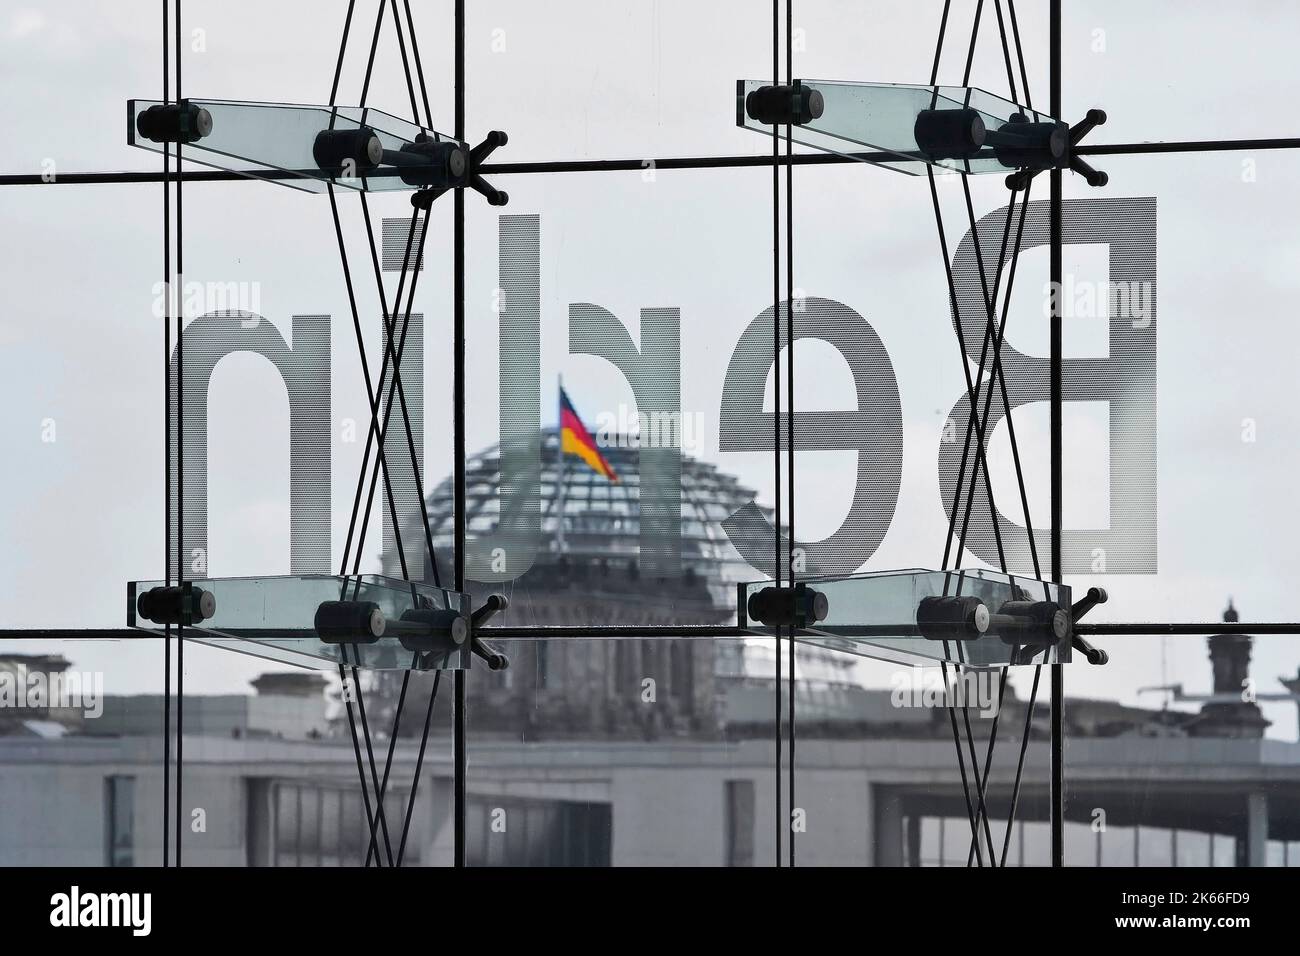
x: 180, y: 450
x: 1058, y: 674
x: 776, y: 411
x: 458, y: 403
x: 789, y: 403
x: 167, y: 451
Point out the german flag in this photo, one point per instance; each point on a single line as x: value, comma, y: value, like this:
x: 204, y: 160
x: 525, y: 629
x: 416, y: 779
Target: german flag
x: 576, y: 440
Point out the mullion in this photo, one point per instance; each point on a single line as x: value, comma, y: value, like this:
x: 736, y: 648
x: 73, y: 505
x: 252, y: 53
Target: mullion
x: 460, y: 756
x: 1055, y: 246
x: 972, y: 814
x: 129, y: 177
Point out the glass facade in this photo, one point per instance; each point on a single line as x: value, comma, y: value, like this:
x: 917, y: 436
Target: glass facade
x: 1042, y: 390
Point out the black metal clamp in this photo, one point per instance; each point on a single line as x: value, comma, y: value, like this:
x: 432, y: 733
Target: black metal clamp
x: 952, y: 617
x: 1062, y: 156
x: 181, y: 122
x: 431, y: 165
x: 435, y: 168
x: 1026, y: 624
x: 1030, y: 627
x: 797, y: 606
x: 1019, y: 622
x: 1081, y: 607
x: 1020, y: 143
x: 495, y: 660
x: 792, y: 105
x: 1035, y: 623
x: 347, y: 153
x: 420, y: 629
x: 182, y: 604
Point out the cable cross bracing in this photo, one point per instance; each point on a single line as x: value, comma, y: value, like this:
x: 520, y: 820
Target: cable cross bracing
x: 383, y: 390
x: 977, y: 809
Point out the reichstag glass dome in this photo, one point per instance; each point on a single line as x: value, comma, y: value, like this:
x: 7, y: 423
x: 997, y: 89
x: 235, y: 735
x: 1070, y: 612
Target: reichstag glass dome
x: 600, y: 543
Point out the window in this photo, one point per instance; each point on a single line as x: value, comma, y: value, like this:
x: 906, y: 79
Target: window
x: 119, y: 794
x: 739, y: 810
x: 543, y: 665
x: 310, y: 824
x: 518, y: 832
x: 681, y: 671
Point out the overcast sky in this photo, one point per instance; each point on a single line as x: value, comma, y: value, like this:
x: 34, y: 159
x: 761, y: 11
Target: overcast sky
x: 79, y: 346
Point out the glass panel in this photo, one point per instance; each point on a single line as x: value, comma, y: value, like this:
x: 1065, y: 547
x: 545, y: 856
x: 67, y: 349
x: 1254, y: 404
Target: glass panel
x: 305, y: 147
x: 977, y: 617
x: 1161, y: 764
x: 891, y: 119
x: 1128, y: 57
x: 590, y: 766
x: 322, y: 620
x: 555, y: 267
x: 1188, y: 733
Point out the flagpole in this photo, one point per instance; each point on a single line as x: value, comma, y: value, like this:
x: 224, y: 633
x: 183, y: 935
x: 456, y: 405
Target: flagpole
x: 559, y: 465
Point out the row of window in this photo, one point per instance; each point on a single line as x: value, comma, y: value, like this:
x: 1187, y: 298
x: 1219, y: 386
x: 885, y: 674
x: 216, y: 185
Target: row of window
x: 945, y: 841
x: 292, y: 823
